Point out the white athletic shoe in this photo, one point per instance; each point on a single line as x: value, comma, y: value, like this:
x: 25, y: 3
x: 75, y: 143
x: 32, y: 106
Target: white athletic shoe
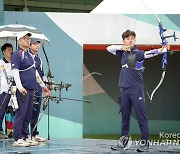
x: 39, y: 139
x: 31, y: 141
x: 21, y: 143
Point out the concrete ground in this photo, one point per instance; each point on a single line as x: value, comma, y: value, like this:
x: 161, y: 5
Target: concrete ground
x: 79, y: 146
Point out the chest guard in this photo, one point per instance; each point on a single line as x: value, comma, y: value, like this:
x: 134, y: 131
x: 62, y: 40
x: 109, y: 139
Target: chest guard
x: 132, y: 62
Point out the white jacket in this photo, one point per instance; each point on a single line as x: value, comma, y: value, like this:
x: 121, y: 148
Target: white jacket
x: 3, y: 82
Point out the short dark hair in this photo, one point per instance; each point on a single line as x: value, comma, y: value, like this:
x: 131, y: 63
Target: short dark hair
x: 6, y: 45
x: 128, y: 33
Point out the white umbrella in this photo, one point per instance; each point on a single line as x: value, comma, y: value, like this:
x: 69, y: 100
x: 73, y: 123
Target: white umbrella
x: 9, y: 33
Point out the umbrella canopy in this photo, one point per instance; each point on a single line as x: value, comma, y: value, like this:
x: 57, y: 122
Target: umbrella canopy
x: 9, y: 33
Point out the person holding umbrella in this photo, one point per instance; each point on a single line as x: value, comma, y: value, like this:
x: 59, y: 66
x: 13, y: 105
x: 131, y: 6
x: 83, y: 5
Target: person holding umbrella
x: 5, y: 79
x: 26, y: 78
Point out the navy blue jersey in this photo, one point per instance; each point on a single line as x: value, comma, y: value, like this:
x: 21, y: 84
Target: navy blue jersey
x: 22, y: 60
x: 129, y: 77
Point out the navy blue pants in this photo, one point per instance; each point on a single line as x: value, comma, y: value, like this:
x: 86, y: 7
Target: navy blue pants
x: 23, y: 115
x: 134, y: 97
x: 36, y: 111
x: 3, y: 107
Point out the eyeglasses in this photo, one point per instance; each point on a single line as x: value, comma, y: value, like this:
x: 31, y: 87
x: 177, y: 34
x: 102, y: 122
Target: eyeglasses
x: 26, y: 38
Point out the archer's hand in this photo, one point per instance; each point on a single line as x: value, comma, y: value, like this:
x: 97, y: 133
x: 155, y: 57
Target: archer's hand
x: 46, y: 91
x: 23, y: 91
x: 51, y: 87
x: 126, y: 48
x: 165, y: 48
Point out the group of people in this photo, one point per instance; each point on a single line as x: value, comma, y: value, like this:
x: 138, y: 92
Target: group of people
x: 21, y: 74
x: 132, y: 86
x: 25, y: 67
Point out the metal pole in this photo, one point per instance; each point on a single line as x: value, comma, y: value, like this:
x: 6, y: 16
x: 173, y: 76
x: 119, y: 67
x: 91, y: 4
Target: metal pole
x: 48, y: 122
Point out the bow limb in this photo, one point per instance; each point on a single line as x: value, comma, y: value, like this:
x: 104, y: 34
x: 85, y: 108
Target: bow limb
x: 49, y: 74
x: 45, y: 104
x: 159, y: 84
x: 85, y: 77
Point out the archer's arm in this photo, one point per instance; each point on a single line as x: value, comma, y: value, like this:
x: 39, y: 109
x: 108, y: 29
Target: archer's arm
x: 41, y: 83
x: 117, y: 50
x: 155, y: 52
x: 114, y: 48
